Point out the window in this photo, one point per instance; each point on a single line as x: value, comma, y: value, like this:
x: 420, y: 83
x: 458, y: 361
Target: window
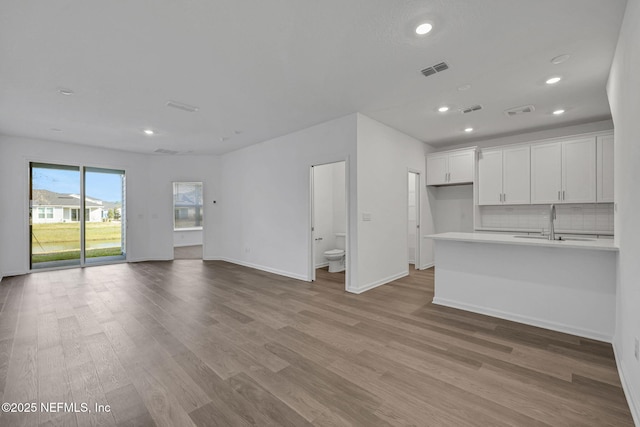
x: 187, y: 205
x: 41, y: 213
x: 49, y: 212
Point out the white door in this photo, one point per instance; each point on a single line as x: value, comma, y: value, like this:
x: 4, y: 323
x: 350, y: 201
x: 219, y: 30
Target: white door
x: 546, y: 173
x: 516, y: 176
x: 461, y: 167
x: 604, y: 170
x: 437, y: 169
x: 579, y: 171
x: 413, y: 219
x: 490, y: 178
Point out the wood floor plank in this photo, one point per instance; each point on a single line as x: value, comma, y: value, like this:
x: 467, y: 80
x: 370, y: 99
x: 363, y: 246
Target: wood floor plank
x: 215, y: 344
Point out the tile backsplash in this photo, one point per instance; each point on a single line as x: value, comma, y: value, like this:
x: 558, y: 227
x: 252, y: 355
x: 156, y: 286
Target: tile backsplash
x: 588, y: 218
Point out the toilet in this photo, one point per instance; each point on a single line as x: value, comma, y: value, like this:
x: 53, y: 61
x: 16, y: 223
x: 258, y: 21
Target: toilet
x: 336, y: 256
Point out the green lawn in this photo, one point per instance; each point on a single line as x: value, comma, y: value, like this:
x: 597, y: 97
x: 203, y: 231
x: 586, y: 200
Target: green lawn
x: 61, y: 241
x: 70, y: 231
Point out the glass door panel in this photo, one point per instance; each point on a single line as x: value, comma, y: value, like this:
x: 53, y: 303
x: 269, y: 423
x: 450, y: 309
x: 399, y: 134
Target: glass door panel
x: 104, y: 221
x: 55, y: 236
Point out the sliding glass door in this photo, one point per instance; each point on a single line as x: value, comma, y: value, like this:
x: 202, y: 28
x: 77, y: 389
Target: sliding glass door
x: 76, y: 215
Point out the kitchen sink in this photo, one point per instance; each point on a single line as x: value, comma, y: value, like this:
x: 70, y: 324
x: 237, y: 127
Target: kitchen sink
x: 559, y: 238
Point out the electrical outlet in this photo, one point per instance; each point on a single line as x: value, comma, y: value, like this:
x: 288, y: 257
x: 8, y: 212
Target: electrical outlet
x: 636, y: 349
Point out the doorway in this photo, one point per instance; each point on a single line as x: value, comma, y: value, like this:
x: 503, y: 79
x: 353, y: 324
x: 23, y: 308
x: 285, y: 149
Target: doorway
x: 413, y: 219
x: 329, y: 235
x: 188, y: 241
x: 76, y: 215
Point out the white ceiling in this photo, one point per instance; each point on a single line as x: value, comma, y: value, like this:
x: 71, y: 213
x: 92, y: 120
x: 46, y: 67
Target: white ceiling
x: 258, y: 69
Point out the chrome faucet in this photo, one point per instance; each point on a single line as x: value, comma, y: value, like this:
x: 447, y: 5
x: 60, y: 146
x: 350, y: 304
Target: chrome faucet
x: 552, y: 217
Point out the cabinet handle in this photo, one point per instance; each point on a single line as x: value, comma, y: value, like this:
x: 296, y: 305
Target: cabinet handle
x: 562, y: 194
x: 504, y: 197
x: 559, y: 196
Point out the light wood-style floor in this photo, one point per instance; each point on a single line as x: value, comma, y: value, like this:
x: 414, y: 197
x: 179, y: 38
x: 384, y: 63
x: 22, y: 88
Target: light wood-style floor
x: 214, y: 344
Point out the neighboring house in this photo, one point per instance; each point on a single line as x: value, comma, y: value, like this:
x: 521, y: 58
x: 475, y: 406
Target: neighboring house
x: 49, y: 207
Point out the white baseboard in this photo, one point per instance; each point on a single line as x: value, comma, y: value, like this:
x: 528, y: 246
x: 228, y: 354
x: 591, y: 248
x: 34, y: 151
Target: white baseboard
x: 186, y: 245
x: 629, y: 392
x: 322, y: 264
x: 586, y: 333
x: 426, y: 266
x: 379, y: 283
x: 264, y: 268
x: 146, y: 259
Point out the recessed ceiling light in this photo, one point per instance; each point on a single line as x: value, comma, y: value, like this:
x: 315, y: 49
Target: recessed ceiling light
x: 560, y: 58
x: 65, y: 92
x: 443, y: 109
x: 468, y: 130
x: 558, y: 112
x: 148, y: 132
x: 464, y: 87
x: 553, y: 80
x: 423, y: 29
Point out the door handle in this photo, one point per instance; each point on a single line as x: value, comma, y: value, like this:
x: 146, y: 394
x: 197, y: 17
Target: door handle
x: 319, y: 238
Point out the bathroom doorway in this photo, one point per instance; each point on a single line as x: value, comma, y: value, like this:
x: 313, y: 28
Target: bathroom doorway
x: 413, y: 220
x: 329, y: 223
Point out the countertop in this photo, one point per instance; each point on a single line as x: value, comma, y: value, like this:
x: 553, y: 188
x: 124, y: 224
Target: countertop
x: 506, y: 239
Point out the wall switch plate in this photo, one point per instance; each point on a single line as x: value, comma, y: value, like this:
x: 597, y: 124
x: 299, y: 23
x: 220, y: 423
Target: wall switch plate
x: 636, y: 349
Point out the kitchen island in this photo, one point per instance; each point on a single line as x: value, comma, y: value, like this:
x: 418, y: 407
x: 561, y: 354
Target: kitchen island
x: 568, y: 286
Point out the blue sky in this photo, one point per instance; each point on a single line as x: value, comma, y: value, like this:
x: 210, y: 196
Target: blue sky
x: 102, y: 186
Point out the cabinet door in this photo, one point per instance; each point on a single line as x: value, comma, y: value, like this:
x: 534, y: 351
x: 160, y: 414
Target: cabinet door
x: 490, y: 178
x: 546, y: 173
x: 437, y: 169
x: 604, y: 170
x: 516, y: 176
x: 579, y: 171
x: 461, y: 167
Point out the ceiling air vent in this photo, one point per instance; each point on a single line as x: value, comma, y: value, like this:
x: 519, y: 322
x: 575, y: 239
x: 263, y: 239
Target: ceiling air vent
x: 471, y: 109
x: 181, y: 106
x: 163, y: 151
x: 435, y: 69
x: 517, y: 111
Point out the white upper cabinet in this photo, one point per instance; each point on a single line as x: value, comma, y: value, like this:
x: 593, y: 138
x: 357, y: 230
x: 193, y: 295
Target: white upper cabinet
x: 604, y: 185
x: 504, y: 176
x: 490, y: 177
x: 579, y: 171
x: 546, y: 173
x: 452, y: 167
x: 516, y: 176
x: 564, y: 172
x: 437, y: 169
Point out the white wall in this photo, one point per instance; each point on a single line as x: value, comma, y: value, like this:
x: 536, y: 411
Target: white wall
x: 15, y: 154
x: 264, y: 202
x: 384, y: 159
x: 452, y: 208
x: 623, y: 90
x: 187, y: 238
x: 149, y: 195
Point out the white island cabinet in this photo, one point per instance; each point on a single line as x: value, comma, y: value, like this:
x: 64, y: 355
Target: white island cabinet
x: 567, y: 286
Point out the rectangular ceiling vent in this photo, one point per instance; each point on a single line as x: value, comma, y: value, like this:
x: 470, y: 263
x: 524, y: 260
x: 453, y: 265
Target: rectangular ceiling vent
x: 517, y: 111
x: 181, y: 106
x: 471, y: 109
x: 429, y: 71
x: 163, y: 151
